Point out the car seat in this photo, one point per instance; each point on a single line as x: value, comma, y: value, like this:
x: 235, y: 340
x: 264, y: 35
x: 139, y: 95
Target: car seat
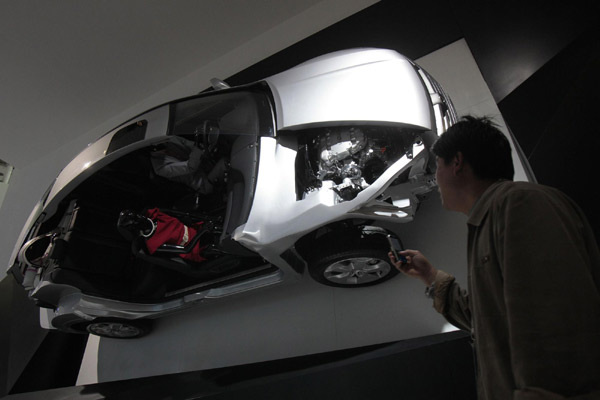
x: 172, y: 256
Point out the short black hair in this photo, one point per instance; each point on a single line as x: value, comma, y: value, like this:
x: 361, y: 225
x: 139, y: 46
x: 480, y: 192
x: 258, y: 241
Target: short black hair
x: 482, y: 145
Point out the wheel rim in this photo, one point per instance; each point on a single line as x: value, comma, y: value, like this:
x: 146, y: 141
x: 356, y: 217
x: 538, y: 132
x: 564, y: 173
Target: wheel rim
x: 357, y: 271
x: 114, y: 329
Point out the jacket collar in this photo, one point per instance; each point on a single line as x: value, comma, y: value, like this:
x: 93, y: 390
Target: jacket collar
x: 483, y: 204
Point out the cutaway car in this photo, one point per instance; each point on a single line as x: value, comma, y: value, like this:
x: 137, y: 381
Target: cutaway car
x: 236, y: 189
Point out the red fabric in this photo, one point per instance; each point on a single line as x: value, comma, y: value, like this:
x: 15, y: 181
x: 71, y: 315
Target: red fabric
x: 170, y: 230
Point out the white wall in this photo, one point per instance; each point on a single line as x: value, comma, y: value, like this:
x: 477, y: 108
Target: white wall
x: 469, y: 92
x: 307, y: 318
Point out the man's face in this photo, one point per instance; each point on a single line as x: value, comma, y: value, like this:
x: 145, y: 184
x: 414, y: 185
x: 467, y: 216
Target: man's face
x: 444, y: 175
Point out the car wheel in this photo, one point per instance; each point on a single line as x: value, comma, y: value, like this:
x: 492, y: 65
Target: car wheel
x: 354, y: 268
x: 117, y: 328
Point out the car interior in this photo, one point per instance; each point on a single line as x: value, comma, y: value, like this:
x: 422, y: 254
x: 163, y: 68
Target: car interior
x: 89, y: 249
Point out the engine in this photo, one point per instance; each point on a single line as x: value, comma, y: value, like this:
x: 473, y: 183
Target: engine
x: 349, y: 159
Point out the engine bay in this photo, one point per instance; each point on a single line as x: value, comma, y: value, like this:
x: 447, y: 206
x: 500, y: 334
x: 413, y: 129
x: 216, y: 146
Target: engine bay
x: 348, y: 159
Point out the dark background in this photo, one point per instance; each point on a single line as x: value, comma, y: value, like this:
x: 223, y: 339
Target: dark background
x: 540, y: 60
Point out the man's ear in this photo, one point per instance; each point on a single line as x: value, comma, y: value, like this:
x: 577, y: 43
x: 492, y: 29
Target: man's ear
x: 458, y: 163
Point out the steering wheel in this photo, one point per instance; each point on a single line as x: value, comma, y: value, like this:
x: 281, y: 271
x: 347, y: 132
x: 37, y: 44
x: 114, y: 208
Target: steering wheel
x: 210, y: 134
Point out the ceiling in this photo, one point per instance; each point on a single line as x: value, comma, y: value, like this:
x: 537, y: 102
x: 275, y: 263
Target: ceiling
x: 73, y: 69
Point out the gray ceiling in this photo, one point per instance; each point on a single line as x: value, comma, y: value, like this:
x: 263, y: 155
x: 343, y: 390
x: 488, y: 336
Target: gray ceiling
x: 73, y: 68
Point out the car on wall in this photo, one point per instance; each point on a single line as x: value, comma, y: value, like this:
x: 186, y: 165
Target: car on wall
x: 236, y: 189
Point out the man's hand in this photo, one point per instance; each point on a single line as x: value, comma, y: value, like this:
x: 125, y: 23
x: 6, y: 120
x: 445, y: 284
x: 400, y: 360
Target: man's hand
x: 416, y: 266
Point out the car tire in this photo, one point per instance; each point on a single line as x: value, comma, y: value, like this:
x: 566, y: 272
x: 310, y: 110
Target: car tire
x: 352, y: 268
x: 118, y: 328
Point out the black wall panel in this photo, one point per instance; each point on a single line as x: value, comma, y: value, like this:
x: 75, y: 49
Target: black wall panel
x: 20, y: 332
x: 552, y: 114
x: 32, y: 358
x: 510, y: 40
x: 5, y: 327
x: 55, y: 364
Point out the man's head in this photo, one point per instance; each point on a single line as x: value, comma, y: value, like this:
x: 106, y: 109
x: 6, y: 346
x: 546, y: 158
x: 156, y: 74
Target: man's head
x: 471, y: 155
x: 482, y: 145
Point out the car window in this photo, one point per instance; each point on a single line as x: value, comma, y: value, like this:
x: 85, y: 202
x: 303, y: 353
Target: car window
x: 232, y: 113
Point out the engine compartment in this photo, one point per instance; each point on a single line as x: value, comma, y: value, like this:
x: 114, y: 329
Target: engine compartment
x: 348, y: 159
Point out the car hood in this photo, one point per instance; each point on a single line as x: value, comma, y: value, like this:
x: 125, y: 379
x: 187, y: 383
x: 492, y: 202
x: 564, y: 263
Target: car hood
x: 318, y: 92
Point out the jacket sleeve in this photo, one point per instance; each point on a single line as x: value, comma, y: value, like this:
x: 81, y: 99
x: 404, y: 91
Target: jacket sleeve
x: 451, y: 301
x: 552, y: 304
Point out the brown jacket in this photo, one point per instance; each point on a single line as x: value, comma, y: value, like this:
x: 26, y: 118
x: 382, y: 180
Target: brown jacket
x: 533, y: 300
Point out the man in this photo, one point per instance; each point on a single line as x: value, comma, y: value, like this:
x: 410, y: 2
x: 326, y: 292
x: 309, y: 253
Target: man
x: 533, y: 299
x: 182, y: 161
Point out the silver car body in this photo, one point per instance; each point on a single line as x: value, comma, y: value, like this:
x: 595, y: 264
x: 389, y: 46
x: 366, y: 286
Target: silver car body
x: 359, y: 87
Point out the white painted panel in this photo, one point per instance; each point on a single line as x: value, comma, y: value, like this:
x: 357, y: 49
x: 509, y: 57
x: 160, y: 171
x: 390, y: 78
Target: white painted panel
x: 460, y: 76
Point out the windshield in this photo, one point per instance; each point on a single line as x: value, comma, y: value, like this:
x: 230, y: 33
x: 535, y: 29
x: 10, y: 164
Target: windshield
x: 237, y: 113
